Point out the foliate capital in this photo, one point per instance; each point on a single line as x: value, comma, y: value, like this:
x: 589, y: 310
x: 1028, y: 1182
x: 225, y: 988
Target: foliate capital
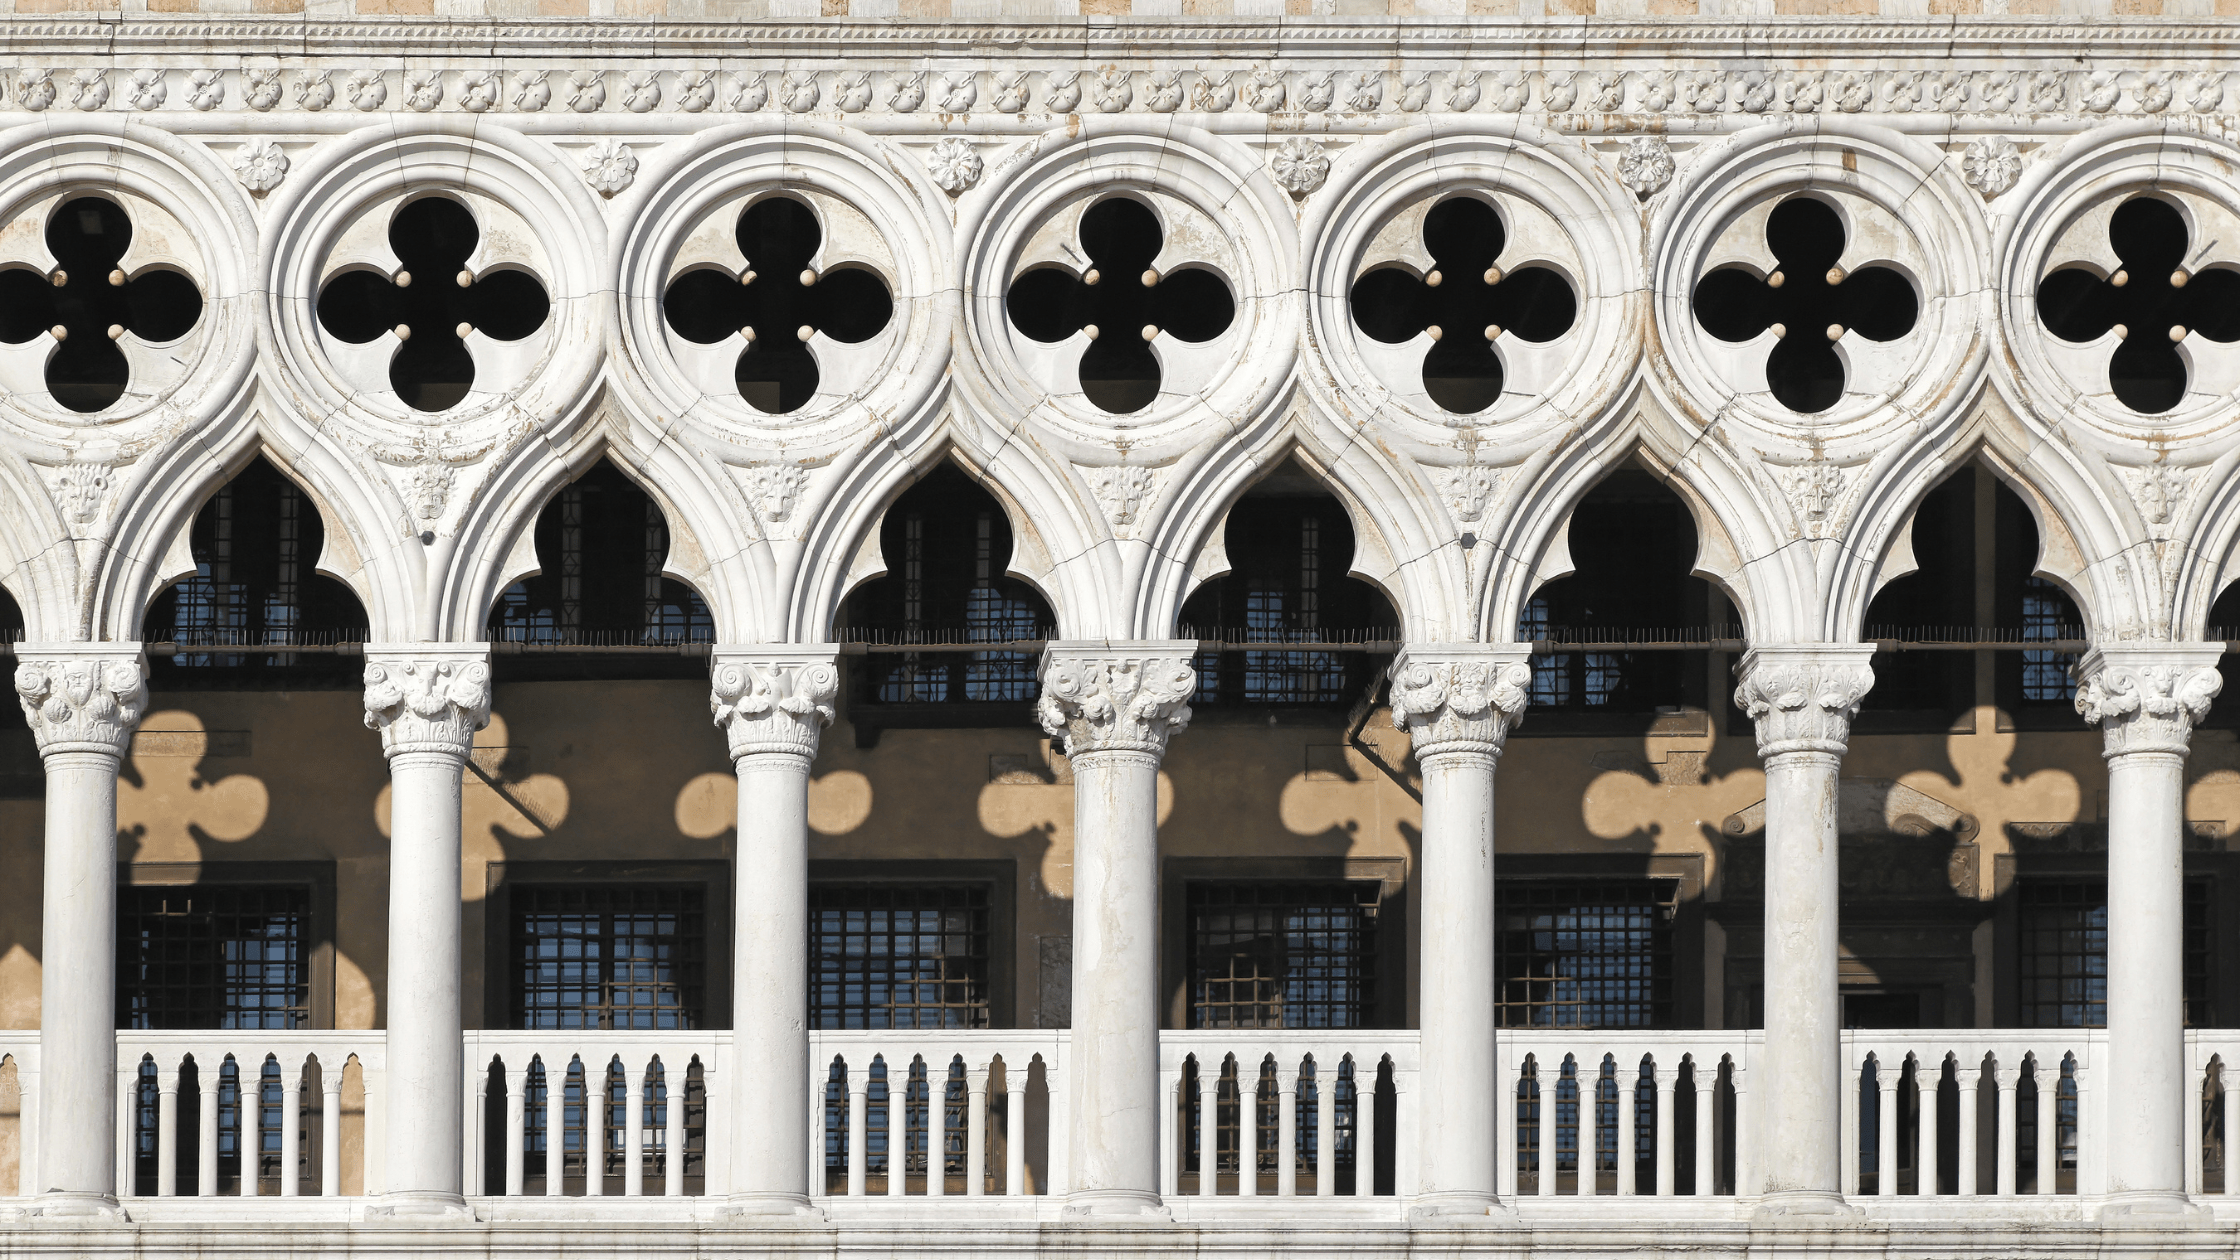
x: 427, y: 697
x: 82, y: 697
x: 1460, y: 697
x: 1117, y: 696
x: 2147, y: 697
x: 773, y: 699
x: 1804, y: 697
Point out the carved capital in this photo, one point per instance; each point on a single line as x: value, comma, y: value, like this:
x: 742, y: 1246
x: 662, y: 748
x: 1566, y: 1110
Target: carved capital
x: 82, y: 697
x: 773, y: 699
x: 2146, y: 698
x: 1460, y: 697
x: 1804, y: 697
x: 427, y: 697
x: 1117, y: 696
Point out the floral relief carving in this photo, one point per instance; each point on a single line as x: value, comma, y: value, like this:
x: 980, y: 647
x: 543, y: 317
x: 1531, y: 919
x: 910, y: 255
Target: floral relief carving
x: 367, y: 90
x: 1213, y: 92
x: 1459, y: 699
x: 89, y: 89
x: 955, y: 164
x: 147, y: 90
x: 1316, y: 91
x: 35, y: 89
x: 1114, y: 700
x: 909, y: 92
x: 206, y: 89
x: 587, y: 91
x: 851, y: 93
x: 1114, y: 90
x: 801, y: 92
x: 752, y: 93
x: 696, y: 91
x: 1463, y: 91
x: 2208, y: 91
x: 1062, y: 91
x: 314, y: 92
x: 427, y: 703
x: 1559, y: 91
x: 1264, y: 92
x: 532, y: 92
x: 478, y: 91
x: 82, y: 701
x: 423, y: 90
x: 960, y: 91
x: 1300, y: 166
x: 610, y: 166
x: 1365, y: 91
x: 261, y: 89
x: 773, y: 703
x: 260, y: 165
x: 1991, y: 165
x: 1011, y: 92
x: 1646, y: 166
x: 1513, y: 90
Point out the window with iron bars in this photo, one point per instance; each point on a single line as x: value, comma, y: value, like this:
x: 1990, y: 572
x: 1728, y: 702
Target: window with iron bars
x: 609, y: 956
x: 2046, y: 615
x: 1586, y: 953
x: 2062, y: 962
x: 203, y: 956
x: 899, y: 955
x: 1279, y: 954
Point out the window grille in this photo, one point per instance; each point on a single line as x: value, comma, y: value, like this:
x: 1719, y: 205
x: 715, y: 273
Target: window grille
x: 609, y: 956
x: 1587, y: 953
x: 1266, y: 954
x: 602, y: 542
x: 2063, y: 961
x: 2045, y: 675
x: 213, y: 957
x: 898, y: 955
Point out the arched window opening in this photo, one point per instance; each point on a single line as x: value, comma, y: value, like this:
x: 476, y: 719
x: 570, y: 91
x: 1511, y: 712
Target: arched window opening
x: 2224, y: 625
x: 87, y: 304
x: 1976, y: 544
x: 601, y: 543
x: 1290, y: 547
x: 1632, y: 544
x: 255, y: 545
x: 947, y: 545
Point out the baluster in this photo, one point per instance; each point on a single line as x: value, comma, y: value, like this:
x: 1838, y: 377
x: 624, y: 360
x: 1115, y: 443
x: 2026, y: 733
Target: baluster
x: 1928, y: 1084
x: 1248, y: 1127
x: 1664, y: 1081
x: 330, y: 1130
x: 1745, y: 1148
x: 2048, y: 1079
x: 673, y: 1088
x: 633, y: 1130
x: 1326, y: 1127
x: 859, y: 1104
x: 1547, y: 1080
x: 1707, y: 1131
x: 2006, y: 1078
x: 1170, y: 1106
x: 555, y: 1127
x: 1015, y: 1126
x: 976, y: 1128
x: 595, y: 1127
x: 2196, y: 1096
x: 291, y: 1131
x: 2227, y: 1078
x: 1627, y: 1084
x: 820, y: 1094
x: 937, y: 1129
x: 167, y: 1130
x: 1965, y: 1079
x: 1886, y: 1083
x: 206, y: 1080
x: 1287, y: 1129
x: 898, y: 1124
x: 1854, y: 1081
x: 517, y: 1128
x: 1209, y: 1123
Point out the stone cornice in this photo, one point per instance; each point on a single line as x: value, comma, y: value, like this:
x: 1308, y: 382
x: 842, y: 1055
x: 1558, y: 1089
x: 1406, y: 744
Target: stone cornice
x: 2145, y: 698
x: 1117, y: 696
x: 773, y: 699
x: 1460, y: 697
x: 1804, y: 697
x: 82, y: 697
x: 427, y: 697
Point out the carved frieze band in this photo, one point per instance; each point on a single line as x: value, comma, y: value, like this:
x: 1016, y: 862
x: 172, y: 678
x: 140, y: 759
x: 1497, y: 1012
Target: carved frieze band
x: 773, y: 700
x: 2146, y: 699
x: 1117, y: 697
x: 1803, y: 698
x: 1460, y: 697
x: 82, y: 699
x: 428, y: 697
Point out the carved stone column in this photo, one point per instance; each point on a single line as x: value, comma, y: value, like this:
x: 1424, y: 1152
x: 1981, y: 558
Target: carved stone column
x: 1457, y: 702
x: 1115, y: 705
x: 2145, y: 699
x: 82, y: 701
x: 773, y: 704
x: 427, y: 700
x: 1803, y: 699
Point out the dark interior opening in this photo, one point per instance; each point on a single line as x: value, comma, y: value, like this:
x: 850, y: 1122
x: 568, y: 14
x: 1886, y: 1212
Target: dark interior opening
x: 87, y: 297
x: 1290, y: 546
x: 601, y: 543
x: 2150, y: 297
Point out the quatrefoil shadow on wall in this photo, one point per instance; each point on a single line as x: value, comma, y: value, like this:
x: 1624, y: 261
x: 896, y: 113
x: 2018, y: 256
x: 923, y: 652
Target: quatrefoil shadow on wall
x: 1103, y: 307
x: 2164, y: 292
x: 1796, y: 315
x: 1461, y: 308
x: 97, y: 312
x: 780, y: 304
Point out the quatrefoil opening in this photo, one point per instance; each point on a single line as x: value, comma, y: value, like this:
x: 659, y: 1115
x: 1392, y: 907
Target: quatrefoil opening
x: 87, y: 304
x: 778, y: 305
x: 1466, y: 303
x: 2154, y: 302
x: 1808, y: 302
x: 433, y: 305
x: 1122, y: 303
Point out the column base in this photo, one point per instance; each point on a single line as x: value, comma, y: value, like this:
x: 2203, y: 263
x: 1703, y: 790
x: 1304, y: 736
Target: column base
x: 1460, y: 1208
x: 1117, y: 1207
x: 78, y: 1205
x: 1802, y: 1207
x: 421, y: 1207
x: 2154, y: 1210
x: 770, y: 1209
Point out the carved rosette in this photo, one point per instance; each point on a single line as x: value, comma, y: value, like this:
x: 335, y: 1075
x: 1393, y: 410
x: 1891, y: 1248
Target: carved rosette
x: 774, y: 701
x: 1117, y: 697
x: 1803, y: 698
x: 1460, y: 697
x: 82, y: 699
x: 2146, y: 700
x: 428, y: 697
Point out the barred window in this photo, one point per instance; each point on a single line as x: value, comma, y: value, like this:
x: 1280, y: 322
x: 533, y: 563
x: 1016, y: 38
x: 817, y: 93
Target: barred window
x: 2045, y: 614
x: 2062, y: 966
x: 213, y: 957
x: 609, y: 956
x: 1269, y: 954
x: 1587, y: 953
x: 896, y: 955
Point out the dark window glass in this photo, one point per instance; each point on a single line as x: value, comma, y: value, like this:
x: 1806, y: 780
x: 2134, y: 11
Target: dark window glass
x: 1632, y: 544
x: 898, y: 955
x: 1586, y: 953
x: 255, y: 544
x: 610, y: 956
x: 947, y: 544
x: 2062, y: 967
x: 1267, y: 954
x: 213, y: 957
